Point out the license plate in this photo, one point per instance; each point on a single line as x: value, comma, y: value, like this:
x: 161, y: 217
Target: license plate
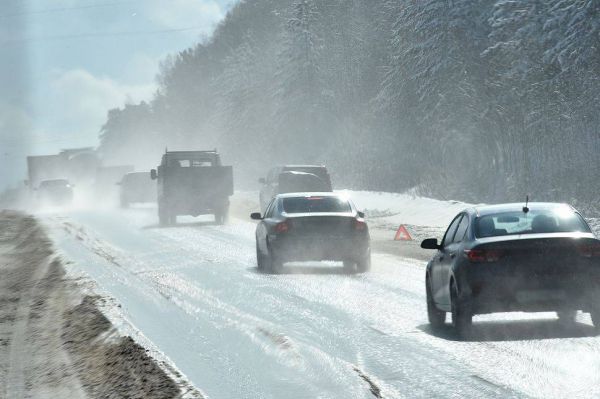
x: 540, y: 295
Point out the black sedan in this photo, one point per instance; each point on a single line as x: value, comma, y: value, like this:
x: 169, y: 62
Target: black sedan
x: 312, y: 227
x: 501, y: 258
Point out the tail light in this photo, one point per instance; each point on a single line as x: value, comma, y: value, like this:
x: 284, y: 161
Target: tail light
x: 359, y: 225
x: 483, y: 255
x: 282, y: 227
x: 589, y: 250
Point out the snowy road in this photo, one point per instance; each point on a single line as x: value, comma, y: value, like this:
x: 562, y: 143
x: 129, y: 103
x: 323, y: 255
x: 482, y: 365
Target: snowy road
x: 194, y: 291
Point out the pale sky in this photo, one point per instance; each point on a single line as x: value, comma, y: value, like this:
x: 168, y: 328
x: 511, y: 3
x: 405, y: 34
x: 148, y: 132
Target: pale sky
x: 65, y: 63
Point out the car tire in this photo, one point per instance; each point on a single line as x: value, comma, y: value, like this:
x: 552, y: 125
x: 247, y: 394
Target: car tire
x: 462, y: 317
x: 364, y: 264
x: 260, y: 261
x: 275, y: 264
x: 567, y: 317
x: 436, y: 317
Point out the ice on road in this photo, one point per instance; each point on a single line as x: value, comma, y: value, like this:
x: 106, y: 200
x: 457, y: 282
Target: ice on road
x: 313, y: 332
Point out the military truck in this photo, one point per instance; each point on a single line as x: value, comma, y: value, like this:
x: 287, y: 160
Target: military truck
x: 192, y: 183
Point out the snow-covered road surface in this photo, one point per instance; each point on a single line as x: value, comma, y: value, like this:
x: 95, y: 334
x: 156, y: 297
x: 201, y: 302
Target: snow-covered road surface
x: 313, y: 332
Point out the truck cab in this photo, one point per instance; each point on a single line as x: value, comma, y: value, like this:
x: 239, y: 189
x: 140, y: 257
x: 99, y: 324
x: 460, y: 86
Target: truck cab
x: 192, y: 183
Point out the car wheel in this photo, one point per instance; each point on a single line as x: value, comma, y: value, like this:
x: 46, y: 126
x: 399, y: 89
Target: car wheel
x: 436, y: 317
x: 260, y: 261
x: 462, y: 318
x: 275, y: 264
x: 566, y: 316
x: 364, y: 264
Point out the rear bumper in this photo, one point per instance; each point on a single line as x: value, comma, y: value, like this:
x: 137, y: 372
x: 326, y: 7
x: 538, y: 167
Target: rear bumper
x: 300, y: 249
x: 534, y: 293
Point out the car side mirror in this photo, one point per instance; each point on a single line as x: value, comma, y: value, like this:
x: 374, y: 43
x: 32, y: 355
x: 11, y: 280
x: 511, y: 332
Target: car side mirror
x: 256, y: 216
x: 430, y: 243
x: 360, y: 214
x: 153, y: 174
x: 262, y: 180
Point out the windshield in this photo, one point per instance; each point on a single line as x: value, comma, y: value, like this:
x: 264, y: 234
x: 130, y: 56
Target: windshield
x: 316, y: 205
x: 561, y: 220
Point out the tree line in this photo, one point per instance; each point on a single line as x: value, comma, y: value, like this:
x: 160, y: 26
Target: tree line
x: 477, y: 100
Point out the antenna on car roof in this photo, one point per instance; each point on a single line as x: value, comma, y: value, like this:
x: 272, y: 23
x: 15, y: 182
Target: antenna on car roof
x: 526, y: 207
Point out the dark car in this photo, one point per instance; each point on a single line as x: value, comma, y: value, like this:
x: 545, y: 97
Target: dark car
x: 502, y: 258
x: 137, y: 187
x: 293, y: 179
x: 312, y: 227
x: 55, y: 192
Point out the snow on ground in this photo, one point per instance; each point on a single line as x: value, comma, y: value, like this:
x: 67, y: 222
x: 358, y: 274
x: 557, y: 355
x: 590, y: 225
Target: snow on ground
x: 407, y: 209
x: 193, y: 291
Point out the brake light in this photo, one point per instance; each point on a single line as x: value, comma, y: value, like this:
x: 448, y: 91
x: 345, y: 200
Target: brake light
x: 483, y: 255
x: 589, y: 251
x: 359, y: 225
x: 282, y: 227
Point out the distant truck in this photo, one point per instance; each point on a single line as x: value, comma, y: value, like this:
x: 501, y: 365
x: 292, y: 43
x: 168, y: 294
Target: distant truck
x: 192, y: 183
x: 136, y: 187
x: 45, y: 167
x: 78, y: 165
x: 293, y: 179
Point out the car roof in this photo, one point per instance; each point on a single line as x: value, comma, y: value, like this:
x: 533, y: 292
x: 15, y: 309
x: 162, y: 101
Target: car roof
x: 482, y: 210
x: 309, y: 194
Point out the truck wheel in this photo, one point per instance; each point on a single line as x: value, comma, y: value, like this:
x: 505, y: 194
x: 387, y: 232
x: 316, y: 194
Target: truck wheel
x: 462, y: 318
x: 222, y: 215
x: 349, y: 266
x: 364, y: 264
x: 163, y: 217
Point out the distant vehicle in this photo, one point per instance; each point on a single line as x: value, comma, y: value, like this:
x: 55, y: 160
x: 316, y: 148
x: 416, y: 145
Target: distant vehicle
x: 312, y: 227
x: 137, y: 187
x: 193, y: 183
x: 502, y: 258
x: 293, y: 179
x: 55, y: 192
x: 106, y: 180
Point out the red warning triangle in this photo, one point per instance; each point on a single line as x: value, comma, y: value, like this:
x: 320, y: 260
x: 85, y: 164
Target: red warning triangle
x: 402, y: 234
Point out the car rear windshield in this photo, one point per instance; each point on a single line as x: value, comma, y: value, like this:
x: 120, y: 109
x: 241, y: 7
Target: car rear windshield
x: 316, y: 205
x: 559, y: 220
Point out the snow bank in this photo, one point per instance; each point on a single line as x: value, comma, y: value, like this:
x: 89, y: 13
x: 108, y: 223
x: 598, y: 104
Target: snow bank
x: 406, y: 209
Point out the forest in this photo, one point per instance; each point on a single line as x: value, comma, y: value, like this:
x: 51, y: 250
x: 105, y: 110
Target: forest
x: 473, y: 100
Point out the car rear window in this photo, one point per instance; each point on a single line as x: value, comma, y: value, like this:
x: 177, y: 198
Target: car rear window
x: 558, y: 220
x: 316, y: 205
